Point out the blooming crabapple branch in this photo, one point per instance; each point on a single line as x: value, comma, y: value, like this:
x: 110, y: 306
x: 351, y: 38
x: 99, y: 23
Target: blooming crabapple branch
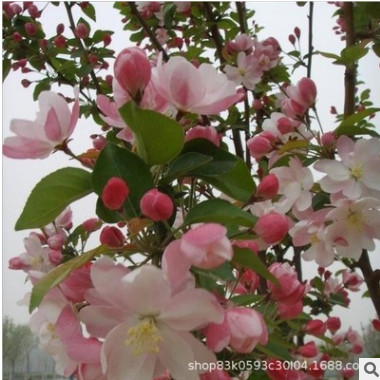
x: 148, y: 31
x: 68, y: 7
x: 218, y: 40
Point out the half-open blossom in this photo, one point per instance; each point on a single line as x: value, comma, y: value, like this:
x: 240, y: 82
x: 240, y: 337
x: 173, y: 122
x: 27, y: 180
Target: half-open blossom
x: 352, y: 280
x: 112, y: 237
x: 242, y: 329
x: 357, y: 174
x: 207, y: 246
x: 272, y: 227
x: 146, y: 326
x: 198, y: 90
x: 133, y: 71
x: 268, y: 187
x: 315, y: 327
x: 289, y: 290
x: 53, y: 126
x: 201, y: 132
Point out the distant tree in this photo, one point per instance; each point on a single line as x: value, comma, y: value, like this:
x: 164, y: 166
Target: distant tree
x: 371, y: 340
x: 17, y: 341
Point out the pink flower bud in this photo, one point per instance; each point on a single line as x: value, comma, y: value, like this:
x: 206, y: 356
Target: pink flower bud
x: 200, y: 132
x: 297, y: 32
x: 15, y: 9
x: 329, y: 139
x: 114, y: 193
x: 17, y: 36
x: 156, y: 205
x: 347, y: 373
x: 333, y: 324
x: 308, y: 90
x: 99, y: 142
x: 55, y: 257
x: 308, y: 350
x: 16, y: 263
x: 81, y: 31
x: 33, y: 11
x: 289, y: 311
x: 376, y: 324
x: 257, y: 104
x: 272, y: 227
x: 60, y: 41
x: 352, y: 281
x: 30, y: 29
x: 315, y: 327
x: 292, y: 39
x: 26, y: 83
x: 112, y: 237
x: 133, y: 71
x: 91, y: 225
x: 107, y: 39
x: 268, y: 187
x: 56, y: 241
x: 60, y: 28
x: 261, y: 144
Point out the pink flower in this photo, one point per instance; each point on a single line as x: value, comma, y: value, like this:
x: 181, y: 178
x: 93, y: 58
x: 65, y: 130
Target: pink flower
x: 207, y: 246
x: 308, y: 350
x: 357, y: 174
x: 112, y: 237
x: 53, y: 126
x: 201, y: 132
x: 242, y: 42
x: 133, y: 71
x: 146, y: 325
x: 115, y: 193
x: 289, y: 311
x: 242, y: 328
x: 290, y: 290
x: 156, y: 205
x: 272, y: 227
x: 261, y: 144
x: 198, y: 90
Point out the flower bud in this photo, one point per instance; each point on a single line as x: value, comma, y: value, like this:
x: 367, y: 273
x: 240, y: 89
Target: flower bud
x: 16, y: 263
x: 297, y: 32
x: 26, y: 83
x: 33, y: 11
x: 376, y: 324
x: 17, y: 36
x: 30, y: 29
x: 133, y: 71
x: 261, y: 144
x: 292, y: 39
x: 308, y: 90
x: 156, y: 205
x: 91, y: 225
x: 60, y: 41
x: 315, y: 327
x: 60, y: 28
x: 329, y: 139
x: 81, y: 31
x: 114, y: 193
x: 107, y: 39
x: 333, y: 324
x: 112, y: 237
x: 308, y: 350
x: 55, y: 256
x: 200, y: 132
x: 268, y: 187
x: 272, y: 227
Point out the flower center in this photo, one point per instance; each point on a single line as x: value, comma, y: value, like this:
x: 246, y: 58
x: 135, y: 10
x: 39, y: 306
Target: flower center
x: 314, y: 239
x: 145, y: 337
x: 355, y: 219
x: 357, y: 171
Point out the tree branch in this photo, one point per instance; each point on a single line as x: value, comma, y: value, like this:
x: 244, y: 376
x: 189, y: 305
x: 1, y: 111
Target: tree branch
x: 218, y: 40
x: 68, y: 7
x: 310, y: 38
x: 240, y: 7
x: 350, y: 72
x: 148, y: 31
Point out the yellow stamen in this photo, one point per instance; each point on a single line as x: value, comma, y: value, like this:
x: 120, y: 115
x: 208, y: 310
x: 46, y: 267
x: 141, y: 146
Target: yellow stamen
x: 314, y: 239
x: 355, y: 219
x: 357, y: 171
x: 145, y: 337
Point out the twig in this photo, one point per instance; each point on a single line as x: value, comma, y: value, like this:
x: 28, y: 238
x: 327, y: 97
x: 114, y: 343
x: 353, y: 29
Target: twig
x: 240, y: 7
x: 68, y: 7
x: 148, y: 31
x: 218, y: 40
x: 310, y: 37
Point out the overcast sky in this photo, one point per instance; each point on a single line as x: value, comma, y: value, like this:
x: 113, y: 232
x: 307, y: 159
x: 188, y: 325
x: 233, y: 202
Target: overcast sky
x: 20, y: 176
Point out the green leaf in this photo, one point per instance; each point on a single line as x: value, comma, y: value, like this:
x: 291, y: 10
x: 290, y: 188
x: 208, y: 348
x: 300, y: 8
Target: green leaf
x: 274, y: 351
x: 43, y: 85
x: 158, y: 138
x: 219, y: 211
x: 223, y: 272
x: 184, y: 164
x: 226, y: 172
x: 248, y: 259
x: 89, y: 11
x: 114, y: 161
x: 6, y: 68
x: 352, y: 54
x: 52, y: 195
x: 376, y: 48
x: 246, y: 299
x: 58, y: 274
x: 292, y: 145
x: 348, y: 125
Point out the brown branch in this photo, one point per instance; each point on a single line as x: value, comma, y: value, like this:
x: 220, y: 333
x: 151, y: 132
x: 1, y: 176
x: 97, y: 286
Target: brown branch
x: 218, y: 40
x: 350, y: 72
x: 240, y: 7
x: 148, y: 31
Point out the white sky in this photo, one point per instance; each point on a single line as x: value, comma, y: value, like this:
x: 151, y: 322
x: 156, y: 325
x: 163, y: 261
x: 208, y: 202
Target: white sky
x: 20, y: 176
